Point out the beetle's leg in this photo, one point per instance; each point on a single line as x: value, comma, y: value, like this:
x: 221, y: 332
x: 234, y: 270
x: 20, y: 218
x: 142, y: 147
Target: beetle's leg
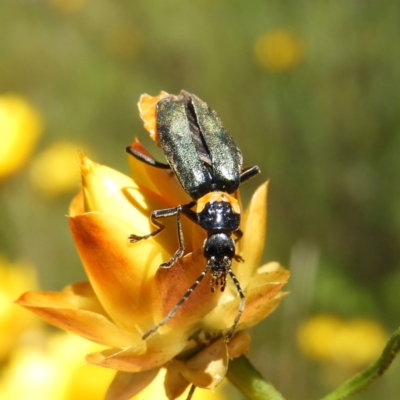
x: 249, y: 173
x: 186, y: 210
x: 146, y: 159
x: 168, y: 212
x: 229, y: 335
x: 238, y: 233
x: 181, y: 240
x: 179, y: 304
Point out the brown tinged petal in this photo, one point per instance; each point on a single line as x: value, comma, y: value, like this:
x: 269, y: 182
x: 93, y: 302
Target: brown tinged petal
x: 207, y: 368
x: 143, y: 356
x: 119, y: 272
x: 251, y: 246
x: 171, y: 285
x: 77, y: 309
x: 125, y: 385
x: 239, y: 344
x: 174, y: 383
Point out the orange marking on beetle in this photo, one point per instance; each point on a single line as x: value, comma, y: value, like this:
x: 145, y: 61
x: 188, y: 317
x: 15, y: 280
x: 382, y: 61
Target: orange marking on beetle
x: 219, y: 197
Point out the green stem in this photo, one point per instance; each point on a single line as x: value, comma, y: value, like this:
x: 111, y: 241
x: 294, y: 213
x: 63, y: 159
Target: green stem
x: 365, y: 378
x: 249, y: 381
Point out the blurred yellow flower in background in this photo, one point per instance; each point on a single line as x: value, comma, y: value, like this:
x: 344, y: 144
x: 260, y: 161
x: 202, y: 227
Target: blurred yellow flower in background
x: 54, y: 371
x: 14, y: 321
x: 53, y: 172
x: 128, y: 293
x: 279, y: 50
x: 20, y: 127
x: 123, y: 42
x: 68, y: 6
x: 347, y: 343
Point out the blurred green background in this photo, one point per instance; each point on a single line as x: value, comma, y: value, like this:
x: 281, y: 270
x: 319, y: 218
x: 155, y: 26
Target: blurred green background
x: 310, y: 92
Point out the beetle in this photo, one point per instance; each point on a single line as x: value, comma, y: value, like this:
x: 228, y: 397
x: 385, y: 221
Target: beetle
x: 208, y: 165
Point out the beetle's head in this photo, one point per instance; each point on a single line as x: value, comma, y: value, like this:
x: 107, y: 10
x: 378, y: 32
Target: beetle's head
x: 219, y: 249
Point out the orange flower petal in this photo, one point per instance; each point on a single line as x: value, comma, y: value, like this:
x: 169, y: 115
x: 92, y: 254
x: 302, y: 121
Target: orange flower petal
x: 77, y: 309
x: 239, y: 344
x: 77, y: 205
x: 171, y: 285
x: 263, y: 295
x: 147, y: 111
x: 126, y: 384
x: 113, y: 193
x: 251, y: 246
x: 118, y: 270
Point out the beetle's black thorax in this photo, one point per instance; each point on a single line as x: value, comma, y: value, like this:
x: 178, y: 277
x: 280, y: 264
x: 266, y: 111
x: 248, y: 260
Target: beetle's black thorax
x: 218, y: 211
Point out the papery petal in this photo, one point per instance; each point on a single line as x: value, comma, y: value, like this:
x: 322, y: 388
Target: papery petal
x: 140, y: 357
x: 171, y: 285
x: 253, y: 225
x: 120, y: 272
x: 207, y: 368
x: 116, y: 194
x: 126, y: 384
x: 260, y: 301
x: 77, y: 309
x: 113, y: 193
x: 263, y: 295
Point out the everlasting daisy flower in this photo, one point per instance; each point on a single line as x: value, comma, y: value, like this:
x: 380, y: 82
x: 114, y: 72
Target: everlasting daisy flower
x: 279, y: 50
x: 20, y: 123
x: 14, y: 324
x: 350, y: 344
x: 52, y: 171
x: 127, y: 293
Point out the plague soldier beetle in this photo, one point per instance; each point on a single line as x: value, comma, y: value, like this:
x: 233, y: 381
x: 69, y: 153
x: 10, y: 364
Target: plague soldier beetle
x: 208, y: 165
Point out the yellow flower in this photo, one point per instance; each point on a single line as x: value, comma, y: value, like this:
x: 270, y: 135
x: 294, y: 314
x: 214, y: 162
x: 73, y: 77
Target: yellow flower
x: 279, y: 50
x: 53, y: 171
x: 128, y: 293
x: 55, y: 371
x: 123, y: 42
x: 68, y: 6
x: 14, y: 278
x: 350, y: 344
x: 20, y: 127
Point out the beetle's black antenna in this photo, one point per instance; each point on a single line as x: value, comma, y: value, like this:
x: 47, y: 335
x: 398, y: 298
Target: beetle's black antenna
x: 228, y: 337
x: 179, y: 304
